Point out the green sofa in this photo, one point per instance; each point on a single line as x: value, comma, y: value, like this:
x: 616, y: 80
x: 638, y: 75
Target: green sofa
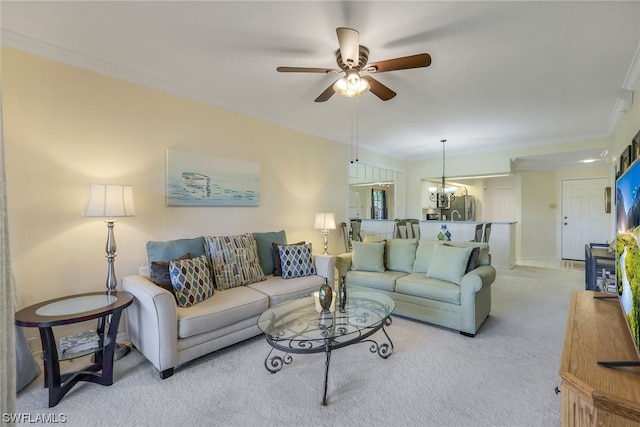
x: 443, y: 283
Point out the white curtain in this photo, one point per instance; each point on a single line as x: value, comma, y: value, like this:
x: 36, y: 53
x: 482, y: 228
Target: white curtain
x: 7, y: 294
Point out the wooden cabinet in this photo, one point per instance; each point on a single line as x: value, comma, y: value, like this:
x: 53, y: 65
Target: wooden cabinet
x: 593, y: 395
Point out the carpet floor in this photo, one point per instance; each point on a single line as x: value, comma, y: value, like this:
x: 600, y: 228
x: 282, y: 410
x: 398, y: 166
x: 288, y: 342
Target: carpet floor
x: 505, y: 376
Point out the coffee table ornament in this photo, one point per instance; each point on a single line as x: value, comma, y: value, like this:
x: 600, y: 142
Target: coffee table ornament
x: 325, y: 295
x: 342, y: 294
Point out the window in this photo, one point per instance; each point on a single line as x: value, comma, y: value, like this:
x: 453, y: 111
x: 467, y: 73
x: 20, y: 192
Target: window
x: 378, y: 204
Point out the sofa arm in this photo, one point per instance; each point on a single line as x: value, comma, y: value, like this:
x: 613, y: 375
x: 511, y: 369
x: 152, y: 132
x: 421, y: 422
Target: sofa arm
x: 326, y: 266
x: 478, y: 278
x: 343, y: 263
x: 152, y: 322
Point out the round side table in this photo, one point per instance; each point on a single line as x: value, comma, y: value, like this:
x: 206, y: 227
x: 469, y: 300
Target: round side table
x: 74, y: 309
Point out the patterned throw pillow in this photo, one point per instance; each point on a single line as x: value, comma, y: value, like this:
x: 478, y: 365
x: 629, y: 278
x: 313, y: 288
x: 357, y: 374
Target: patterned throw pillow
x: 191, y: 280
x: 234, y: 260
x: 277, y: 269
x: 159, y: 273
x: 296, y: 261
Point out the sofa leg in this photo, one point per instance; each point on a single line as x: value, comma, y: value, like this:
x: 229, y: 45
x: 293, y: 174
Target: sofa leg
x: 467, y: 334
x: 166, y: 373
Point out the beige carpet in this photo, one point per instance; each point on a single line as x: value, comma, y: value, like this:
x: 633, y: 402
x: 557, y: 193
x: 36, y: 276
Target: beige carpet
x: 505, y: 376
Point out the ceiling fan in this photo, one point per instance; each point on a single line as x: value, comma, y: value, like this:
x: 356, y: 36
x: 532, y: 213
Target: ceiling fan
x: 352, y: 59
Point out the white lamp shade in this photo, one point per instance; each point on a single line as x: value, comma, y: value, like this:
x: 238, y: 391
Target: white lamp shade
x: 325, y: 221
x: 109, y: 200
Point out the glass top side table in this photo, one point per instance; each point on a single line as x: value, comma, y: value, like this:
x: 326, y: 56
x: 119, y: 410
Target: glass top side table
x: 73, y: 309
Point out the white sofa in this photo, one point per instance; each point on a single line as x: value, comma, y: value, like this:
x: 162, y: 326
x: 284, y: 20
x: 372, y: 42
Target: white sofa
x: 169, y: 335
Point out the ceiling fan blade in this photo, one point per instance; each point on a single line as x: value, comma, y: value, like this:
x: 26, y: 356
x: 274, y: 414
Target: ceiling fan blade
x: 305, y: 70
x: 379, y: 90
x: 349, y: 41
x: 324, y: 96
x: 406, y: 62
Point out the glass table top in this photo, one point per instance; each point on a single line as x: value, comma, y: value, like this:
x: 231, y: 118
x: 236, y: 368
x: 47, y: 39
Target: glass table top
x: 301, y: 320
x: 76, y: 305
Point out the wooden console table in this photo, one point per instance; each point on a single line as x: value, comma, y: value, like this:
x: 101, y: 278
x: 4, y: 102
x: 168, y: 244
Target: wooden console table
x: 593, y: 395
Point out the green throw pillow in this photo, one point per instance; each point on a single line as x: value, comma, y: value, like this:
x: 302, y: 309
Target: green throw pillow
x: 401, y: 253
x: 449, y: 263
x: 424, y: 252
x: 368, y: 257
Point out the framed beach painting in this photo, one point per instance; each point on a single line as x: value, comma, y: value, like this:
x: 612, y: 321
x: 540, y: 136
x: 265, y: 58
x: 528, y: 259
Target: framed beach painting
x: 197, y: 180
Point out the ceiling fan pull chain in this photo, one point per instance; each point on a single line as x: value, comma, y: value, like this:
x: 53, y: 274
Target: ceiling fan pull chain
x: 357, y: 146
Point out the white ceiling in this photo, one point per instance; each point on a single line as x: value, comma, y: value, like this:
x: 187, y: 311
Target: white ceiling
x: 504, y: 74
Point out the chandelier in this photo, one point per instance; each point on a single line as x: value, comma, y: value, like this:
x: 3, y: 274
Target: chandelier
x: 442, y: 195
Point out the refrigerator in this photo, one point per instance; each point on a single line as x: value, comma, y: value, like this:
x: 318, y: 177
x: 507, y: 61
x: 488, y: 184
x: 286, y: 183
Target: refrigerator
x: 463, y: 208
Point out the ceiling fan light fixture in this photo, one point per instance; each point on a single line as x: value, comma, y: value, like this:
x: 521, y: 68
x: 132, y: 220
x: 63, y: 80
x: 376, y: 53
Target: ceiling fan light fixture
x: 351, y: 85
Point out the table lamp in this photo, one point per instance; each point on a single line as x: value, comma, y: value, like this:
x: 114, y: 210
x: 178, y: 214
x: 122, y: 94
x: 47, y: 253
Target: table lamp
x: 325, y: 221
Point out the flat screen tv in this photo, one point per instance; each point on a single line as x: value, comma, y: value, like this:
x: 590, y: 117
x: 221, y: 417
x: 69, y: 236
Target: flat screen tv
x: 628, y: 248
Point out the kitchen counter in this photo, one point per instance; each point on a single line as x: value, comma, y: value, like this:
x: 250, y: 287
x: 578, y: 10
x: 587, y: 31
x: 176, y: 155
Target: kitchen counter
x: 502, y: 241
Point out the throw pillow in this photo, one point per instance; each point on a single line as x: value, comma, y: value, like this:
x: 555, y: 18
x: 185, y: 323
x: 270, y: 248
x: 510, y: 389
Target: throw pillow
x: 448, y: 263
x: 401, y: 254
x: 473, y: 259
x: 368, y: 256
x: 424, y: 252
x: 234, y: 260
x: 172, y: 249
x: 159, y: 273
x: 296, y: 261
x: 266, y: 253
x: 191, y: 280
x: 277, y: 264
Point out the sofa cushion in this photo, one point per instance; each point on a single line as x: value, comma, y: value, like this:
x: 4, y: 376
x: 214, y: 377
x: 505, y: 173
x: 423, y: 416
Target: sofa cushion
x: 264, y: 246
x: 172, y: 249
x: 223, y: 308
x: 449, y: 263
x: 368, y: 256
x: 280, y: 290
x: 191, y: 280
x: 424, y: 252
x: 418, y: 285
x: 401, y: 254
x: 277, y: 262
x: 234, y: 260
x: 296, y: 261
x: 385, y: 281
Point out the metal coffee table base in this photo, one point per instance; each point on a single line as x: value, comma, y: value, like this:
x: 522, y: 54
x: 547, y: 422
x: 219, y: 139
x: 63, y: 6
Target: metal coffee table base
x: 275, y: 363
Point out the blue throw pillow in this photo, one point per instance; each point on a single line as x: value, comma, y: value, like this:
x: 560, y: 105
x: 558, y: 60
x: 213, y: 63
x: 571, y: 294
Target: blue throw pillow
x: 172, y: 249
x: 266, y: 255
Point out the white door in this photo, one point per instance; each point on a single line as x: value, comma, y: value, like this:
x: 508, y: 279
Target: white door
x: 504, y: 204
x: 583, y: 217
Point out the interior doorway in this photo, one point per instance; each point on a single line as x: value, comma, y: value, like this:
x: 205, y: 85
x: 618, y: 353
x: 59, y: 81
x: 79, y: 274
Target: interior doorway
x: 583, y: 216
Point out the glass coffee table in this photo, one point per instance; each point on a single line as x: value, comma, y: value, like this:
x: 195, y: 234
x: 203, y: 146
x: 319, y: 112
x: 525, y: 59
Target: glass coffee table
x: 301, y: 327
